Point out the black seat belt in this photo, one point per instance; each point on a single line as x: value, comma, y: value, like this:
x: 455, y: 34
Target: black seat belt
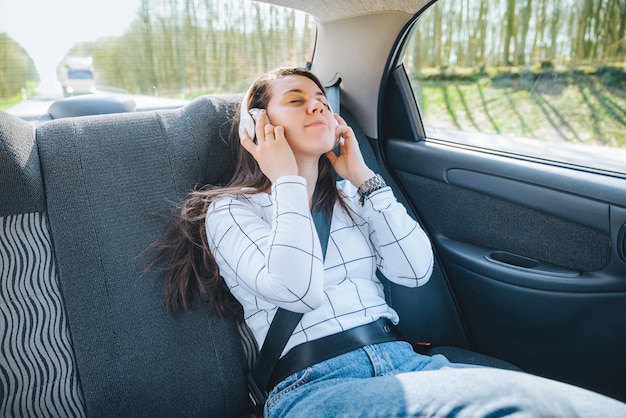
x: 281, y: 328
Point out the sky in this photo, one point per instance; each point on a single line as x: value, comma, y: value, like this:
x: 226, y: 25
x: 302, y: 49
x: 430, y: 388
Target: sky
x: 47, y: 29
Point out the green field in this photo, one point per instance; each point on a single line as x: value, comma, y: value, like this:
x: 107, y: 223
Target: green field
x: 573, y: 106
x: 9, y: 102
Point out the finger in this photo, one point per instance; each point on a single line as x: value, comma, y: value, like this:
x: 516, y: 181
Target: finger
x: 339, y: 119
x: 332, y: 157
x: 340, y: 134
x: 260, y: 126
x: 247, y: 143
x: 269, y: 132
x: 279, y: 133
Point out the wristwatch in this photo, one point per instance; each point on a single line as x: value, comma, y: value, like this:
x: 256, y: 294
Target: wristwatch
x: 370, y: 185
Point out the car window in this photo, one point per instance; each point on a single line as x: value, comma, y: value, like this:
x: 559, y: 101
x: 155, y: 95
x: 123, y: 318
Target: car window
x: 167, y: 48
x: 79, y: 74
x: 543, y: 79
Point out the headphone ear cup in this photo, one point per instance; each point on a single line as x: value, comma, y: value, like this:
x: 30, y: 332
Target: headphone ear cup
x: 254, y: 112
x: 246, y: 123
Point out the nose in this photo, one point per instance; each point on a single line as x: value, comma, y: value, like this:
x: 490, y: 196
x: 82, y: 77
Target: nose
x: 317, y: 106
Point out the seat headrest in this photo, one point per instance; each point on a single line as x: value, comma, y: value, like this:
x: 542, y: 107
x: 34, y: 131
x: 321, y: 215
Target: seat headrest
x: 91, y: 104
x: 21, y: 184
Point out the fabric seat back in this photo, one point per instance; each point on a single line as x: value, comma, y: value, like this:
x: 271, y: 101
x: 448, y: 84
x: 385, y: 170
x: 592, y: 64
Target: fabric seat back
x: 107, y: 178
x: 38, y: 374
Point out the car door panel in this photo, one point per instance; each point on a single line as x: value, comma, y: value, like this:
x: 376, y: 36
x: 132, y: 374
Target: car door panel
x: 531, y: 252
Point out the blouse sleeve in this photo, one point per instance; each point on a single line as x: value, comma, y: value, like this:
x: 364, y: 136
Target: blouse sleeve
x: 279, y: 260
x: 403, y: 251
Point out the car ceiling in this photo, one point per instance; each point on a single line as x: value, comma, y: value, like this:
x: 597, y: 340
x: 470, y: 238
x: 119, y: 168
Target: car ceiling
x: 328, y: 10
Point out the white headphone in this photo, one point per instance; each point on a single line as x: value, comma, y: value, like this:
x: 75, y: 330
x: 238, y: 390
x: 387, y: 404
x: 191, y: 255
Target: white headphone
x: 246, y: 120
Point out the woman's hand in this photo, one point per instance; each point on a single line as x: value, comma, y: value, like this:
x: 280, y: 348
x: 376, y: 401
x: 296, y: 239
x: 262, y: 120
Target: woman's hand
x: 350, y: 163
x: 271, y: 150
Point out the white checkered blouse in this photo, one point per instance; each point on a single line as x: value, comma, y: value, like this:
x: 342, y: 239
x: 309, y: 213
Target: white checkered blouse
x: 269, y: 255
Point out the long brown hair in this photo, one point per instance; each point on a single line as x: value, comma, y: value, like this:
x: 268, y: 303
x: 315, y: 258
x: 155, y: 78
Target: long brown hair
x: 192, y: 275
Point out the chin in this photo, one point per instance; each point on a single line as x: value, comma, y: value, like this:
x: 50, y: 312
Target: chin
x: 329, y: 147
x: 324, y: 146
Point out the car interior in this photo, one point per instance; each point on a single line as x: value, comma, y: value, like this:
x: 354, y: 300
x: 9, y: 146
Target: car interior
x: 530, y: 254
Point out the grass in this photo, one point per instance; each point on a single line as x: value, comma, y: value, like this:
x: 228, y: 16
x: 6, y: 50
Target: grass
x: 6, y: 103
x: 577, y: 107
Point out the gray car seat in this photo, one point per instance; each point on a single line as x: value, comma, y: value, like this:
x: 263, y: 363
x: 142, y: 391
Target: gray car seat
x: 106, y: 178
x: 84, y: 332
x: 38, y: 374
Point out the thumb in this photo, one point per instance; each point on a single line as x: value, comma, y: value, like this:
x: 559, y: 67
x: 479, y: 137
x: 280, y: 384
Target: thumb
x: 246, y: 142
x: 332, y: 157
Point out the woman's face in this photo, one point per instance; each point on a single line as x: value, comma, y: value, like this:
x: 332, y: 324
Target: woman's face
x: 298, y: 104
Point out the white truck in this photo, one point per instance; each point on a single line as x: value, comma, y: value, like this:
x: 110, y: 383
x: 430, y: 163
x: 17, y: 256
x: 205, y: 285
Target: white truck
x: 76, y: 75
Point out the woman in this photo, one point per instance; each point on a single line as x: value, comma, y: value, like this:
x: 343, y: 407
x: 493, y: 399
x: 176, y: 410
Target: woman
x: 260, y: 237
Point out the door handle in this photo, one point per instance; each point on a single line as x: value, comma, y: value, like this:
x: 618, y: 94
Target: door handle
x: 529, y: 264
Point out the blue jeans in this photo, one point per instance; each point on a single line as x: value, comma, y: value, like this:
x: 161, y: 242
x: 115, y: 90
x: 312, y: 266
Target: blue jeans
x: 391, y: 380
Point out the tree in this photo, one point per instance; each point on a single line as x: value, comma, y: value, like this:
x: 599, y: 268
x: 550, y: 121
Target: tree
x: 523, y: 32
x: 148, y: 49
x: 16, y: 67
x: 509, y: 32
x: 583, y: 29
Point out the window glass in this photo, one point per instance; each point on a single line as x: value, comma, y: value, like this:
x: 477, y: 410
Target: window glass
x: 79, y: 74
x: 168, y: 48
x: 541, y: 78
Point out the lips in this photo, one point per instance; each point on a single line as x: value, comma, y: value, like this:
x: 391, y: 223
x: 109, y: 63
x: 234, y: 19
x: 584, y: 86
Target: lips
x: 318, y: 122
